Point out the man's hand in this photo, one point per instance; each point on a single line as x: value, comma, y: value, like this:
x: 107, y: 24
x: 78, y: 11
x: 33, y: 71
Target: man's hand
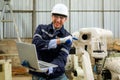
x: 25, y: 64
x: 67, y: 40
x: 52, y: 44
x: 50, y: 70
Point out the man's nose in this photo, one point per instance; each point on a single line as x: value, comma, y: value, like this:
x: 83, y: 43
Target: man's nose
x: 58, y: 19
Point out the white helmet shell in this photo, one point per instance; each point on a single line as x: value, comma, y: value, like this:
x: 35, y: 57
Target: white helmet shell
x: 60, y: 9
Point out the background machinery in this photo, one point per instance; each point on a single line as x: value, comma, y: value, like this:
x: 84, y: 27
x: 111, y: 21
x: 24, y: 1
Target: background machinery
x: 90, y: 54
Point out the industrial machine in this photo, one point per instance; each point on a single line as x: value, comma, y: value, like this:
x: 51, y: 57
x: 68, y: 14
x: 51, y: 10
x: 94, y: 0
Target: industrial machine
x: 90, y: 52
x: 112, y: 63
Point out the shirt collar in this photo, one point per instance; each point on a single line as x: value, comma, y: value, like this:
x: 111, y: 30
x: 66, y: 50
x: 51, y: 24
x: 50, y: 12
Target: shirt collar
x: 51, y: 28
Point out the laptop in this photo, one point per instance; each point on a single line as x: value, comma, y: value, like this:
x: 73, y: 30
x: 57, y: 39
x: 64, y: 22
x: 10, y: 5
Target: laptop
x: 27, y: 51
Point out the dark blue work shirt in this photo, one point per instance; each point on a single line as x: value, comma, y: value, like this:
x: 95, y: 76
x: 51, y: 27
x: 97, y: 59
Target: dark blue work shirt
x: 58, y: 56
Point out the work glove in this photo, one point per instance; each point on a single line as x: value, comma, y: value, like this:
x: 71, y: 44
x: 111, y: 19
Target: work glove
x: 67, y: 39
x: 50, y: 70
x: 52, y: 44
x: 25, y: 63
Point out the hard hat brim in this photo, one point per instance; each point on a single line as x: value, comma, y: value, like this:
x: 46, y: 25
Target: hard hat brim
x: 59, y: 14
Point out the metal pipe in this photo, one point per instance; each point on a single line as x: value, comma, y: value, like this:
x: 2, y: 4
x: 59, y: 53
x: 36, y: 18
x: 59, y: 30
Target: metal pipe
x: 34, y: 16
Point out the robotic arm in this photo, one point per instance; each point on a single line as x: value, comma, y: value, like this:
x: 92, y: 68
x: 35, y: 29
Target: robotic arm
x: 91, y: 45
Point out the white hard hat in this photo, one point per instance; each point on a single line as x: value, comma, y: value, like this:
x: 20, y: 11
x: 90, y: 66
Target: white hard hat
x: 60, y: 9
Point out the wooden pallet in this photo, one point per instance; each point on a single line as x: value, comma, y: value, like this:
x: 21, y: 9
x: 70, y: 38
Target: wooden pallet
x: 19, y: 70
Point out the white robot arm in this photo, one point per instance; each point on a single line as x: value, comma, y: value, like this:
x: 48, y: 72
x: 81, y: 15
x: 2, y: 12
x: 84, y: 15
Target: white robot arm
x: 91, y: 43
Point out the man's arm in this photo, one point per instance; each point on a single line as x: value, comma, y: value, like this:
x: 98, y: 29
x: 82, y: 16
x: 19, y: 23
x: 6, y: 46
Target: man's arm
x: 61, y: 59
x: 48, y: 44
x: 38, y: 40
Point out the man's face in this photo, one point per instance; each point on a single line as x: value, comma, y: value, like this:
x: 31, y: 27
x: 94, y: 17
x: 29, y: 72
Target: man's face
x: 58, y: 21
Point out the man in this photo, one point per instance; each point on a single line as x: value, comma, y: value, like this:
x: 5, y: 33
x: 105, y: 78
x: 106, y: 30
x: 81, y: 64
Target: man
x: 53, y: 44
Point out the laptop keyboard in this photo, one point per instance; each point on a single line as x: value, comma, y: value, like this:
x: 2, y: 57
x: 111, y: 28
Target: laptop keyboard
x: 45, y: 64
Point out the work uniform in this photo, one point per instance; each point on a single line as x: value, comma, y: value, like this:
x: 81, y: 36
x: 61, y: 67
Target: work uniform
x: 58, y: 55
